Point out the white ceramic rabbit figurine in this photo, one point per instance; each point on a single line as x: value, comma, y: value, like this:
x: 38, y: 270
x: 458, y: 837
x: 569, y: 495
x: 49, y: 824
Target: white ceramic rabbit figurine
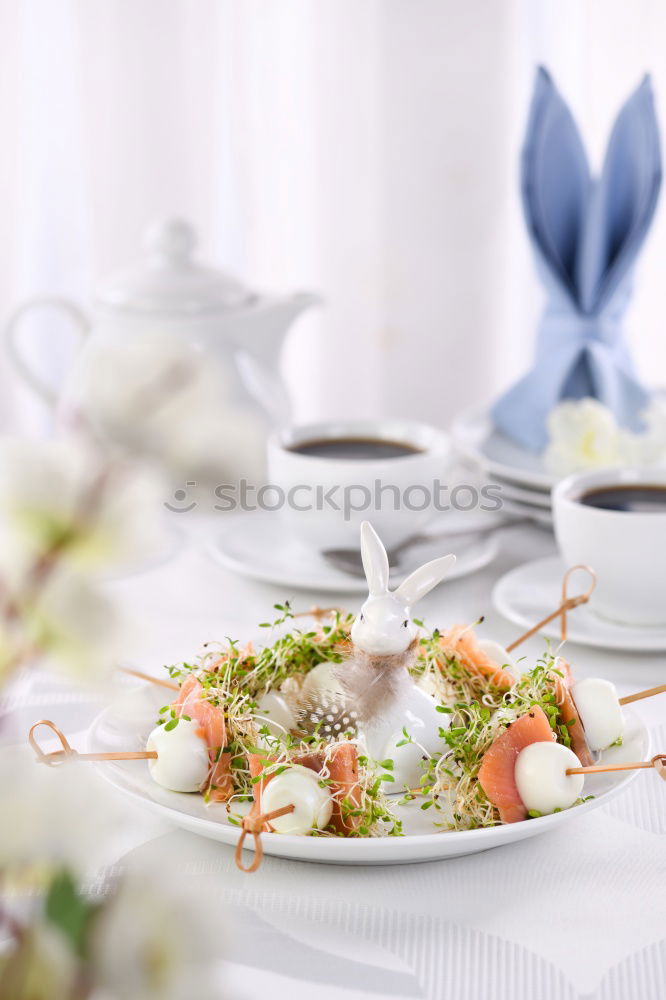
x: 376, y: 678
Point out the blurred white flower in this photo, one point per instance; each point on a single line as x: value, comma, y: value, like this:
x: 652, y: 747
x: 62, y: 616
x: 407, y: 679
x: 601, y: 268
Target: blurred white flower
x: 154, y: 941
x: 583, y: 435
x: 43, y: 967
x: 56, y: 493
x: 72, y: 626
x: 160, y: 399
x: 63, y: 620
x: 58, y: 816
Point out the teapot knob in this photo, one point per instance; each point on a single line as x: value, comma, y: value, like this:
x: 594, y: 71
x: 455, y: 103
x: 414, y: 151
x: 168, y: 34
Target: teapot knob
x: 170, y: 240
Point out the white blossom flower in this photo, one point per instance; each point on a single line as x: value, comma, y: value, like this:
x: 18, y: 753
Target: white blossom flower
x: 58, y: 494
x: 42, y: 967
x: 57, y: 816
x: 583, y: 435
x: 154, y: 941
x: 72, y: 626
x: 160, y: 399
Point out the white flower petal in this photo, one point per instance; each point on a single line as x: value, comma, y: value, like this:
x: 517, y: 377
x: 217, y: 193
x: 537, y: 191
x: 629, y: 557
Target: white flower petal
x: 57, y: 492
x: 583, y: 435
x: 74, y: 626
x: 168, y: 942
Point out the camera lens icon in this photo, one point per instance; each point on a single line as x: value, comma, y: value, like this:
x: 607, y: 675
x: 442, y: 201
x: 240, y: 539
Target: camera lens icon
x: 182, y: 504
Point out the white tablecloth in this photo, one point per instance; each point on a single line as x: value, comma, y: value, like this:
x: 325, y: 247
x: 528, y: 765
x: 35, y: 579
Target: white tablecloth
x: 576, y: 913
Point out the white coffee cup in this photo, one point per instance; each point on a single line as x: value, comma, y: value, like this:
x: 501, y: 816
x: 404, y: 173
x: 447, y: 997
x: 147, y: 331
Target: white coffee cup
x: 305, y: 481
x: 626, y: 549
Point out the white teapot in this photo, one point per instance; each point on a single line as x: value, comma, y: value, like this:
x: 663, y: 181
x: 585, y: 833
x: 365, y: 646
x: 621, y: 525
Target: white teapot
x: 170, y: 291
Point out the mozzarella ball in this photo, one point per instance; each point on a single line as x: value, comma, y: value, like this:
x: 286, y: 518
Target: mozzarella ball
x: 182, y: 763
x: 498, y: 655
x: 542, y: 780
x: 297, y: 786
x: 274, y: 712
x: 600, y: 712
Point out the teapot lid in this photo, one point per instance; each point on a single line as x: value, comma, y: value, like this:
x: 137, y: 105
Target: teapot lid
x: 170, y: 282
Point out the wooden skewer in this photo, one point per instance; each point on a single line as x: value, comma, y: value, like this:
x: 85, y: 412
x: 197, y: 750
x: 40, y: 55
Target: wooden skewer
x: 648, y: 693
x: 567, y: 604
x: 149, y: 677
x: 255, y: 823
x: 315, y: 611
x: 658, y: 762
x: 68, y: 752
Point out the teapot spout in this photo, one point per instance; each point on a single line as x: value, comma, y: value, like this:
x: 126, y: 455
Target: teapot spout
x: 299, y: 302
x: 266, y: 326
x: 259, y: 339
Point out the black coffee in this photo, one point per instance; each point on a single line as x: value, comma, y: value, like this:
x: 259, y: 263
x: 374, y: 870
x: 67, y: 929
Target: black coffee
x: 355, y: 448
x: 632, y: 499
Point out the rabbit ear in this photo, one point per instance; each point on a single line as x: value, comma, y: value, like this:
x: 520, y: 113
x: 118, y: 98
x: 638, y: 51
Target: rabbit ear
x: 423, y: 579
x: 555, y: 182
x: 625, y: 199
x: 375, y: 560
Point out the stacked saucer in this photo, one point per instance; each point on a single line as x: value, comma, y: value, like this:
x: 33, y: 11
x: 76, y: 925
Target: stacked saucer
x: 524, y: 482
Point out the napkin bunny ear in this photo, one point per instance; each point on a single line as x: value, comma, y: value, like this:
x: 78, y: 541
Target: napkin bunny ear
x: 555, y: 181
x: 587, y: 236
x: 623, y: 203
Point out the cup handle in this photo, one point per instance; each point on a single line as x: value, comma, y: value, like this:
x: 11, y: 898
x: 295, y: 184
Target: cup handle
x: 12, y: 339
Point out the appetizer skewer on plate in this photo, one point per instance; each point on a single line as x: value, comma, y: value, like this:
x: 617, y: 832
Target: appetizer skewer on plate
x: 330, y: 731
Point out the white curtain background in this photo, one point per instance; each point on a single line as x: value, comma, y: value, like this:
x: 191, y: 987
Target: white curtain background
x: 367, y: 149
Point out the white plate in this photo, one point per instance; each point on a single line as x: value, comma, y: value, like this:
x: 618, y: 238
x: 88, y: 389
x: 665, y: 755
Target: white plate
x: 528, y: 593
x: 256, y: 545
x: 422, y: 842
x: 476, y: 437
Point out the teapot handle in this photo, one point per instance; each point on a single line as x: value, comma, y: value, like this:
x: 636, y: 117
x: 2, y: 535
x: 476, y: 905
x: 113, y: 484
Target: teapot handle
x: 36, y: 382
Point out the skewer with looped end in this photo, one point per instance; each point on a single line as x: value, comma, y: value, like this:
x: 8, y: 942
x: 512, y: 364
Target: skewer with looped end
x: 566, y: 604
x: 255, y: 824
x: 658, y: 762
x: 69, y: 753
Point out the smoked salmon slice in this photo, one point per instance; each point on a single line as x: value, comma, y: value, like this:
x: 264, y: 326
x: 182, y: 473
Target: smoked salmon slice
x: 462, y: 643
x: 497, y: 772
x: 341, y: 761
x: 569, y: 714
x: 192, y: 701
x: 343, y: 772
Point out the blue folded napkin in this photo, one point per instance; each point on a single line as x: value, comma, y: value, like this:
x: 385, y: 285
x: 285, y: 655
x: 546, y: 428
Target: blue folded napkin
x: 586, y: 233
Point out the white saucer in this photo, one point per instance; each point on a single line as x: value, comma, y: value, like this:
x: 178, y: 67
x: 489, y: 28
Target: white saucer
x: 531, y: 591
x: 540, y: 515
x: 256, y: 545
x: 533, y: 498
x: 476, y: 437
